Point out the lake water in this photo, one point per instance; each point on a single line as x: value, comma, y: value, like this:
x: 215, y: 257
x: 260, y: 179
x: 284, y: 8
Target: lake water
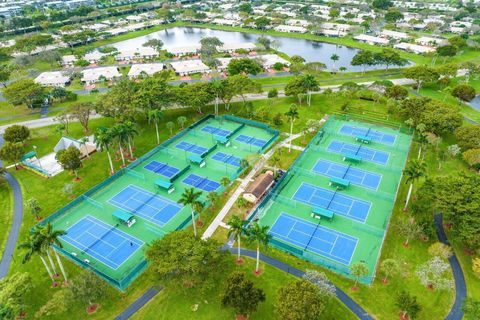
x: 311, y: 51
x: 475, y: 103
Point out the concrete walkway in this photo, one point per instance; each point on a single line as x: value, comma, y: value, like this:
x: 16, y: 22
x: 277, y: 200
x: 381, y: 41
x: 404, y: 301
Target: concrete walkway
x: 341, y: 295
x: 139, y: 303
x: 16, y: 223
x: 258, y: 166
x: 456, y: 312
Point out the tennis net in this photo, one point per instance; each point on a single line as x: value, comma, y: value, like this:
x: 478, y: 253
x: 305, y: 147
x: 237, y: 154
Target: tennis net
x: 92, y: 202
x: 135, y: 174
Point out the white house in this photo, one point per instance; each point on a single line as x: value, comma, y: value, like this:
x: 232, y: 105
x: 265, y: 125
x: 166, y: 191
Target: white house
x: 336, y: 26
x: 138, y: 53
x: 431, y: 41
x: 371, y: 39
x: 297, y: 22
x: 389, y: 34
x: 331, y: 33
x: 413, y: 48
x: 94, y: 75
x: 52, y: 79
x: 69, y: 60
x: 186, y: 67
x: 268, y: 60
x: 294, y: 29
x: 226, y: 22
x: 223, y: 63
x: 93, y: 57
x: 145, y: 68
x: 232, y: 47
x: 185, y: 50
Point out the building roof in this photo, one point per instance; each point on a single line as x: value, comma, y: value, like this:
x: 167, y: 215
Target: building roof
x: 184, y: 49
x: 148, y: 68
x: 372, y: 39
x: 189, y: 66
x: 94, y: 74
x: 261, y: 184
x: 52, y: 78
x: 413, y: 47
x: 237, y: 46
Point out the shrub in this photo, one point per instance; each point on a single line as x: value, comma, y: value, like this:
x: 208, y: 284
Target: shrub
x: 273, y: 93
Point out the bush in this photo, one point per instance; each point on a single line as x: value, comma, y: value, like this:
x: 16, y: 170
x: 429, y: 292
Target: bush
x: 273, y: 93
x: 464, y: 92
x: 278, y: 66
x: 16, y: 133
x: 278, y: 119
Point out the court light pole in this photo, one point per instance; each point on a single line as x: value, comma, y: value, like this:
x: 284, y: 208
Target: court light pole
x: 36, y: 156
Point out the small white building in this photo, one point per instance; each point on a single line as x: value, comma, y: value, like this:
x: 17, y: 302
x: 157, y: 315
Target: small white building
x: 457, y: 30
x: 148, y: 69
x: 52, y: 79
x: 431, y: 41
x: 331, y: 33
x: 186, y: 67
x: 93, y: 57
x: 389, y: 34
x: 226, y: 22
x: 223, y: 63
x: 232, y: 47
x: 297, y: 22
x: 336, y: 26
x: 69, y: 60
x: 290, y: 29
x: 268, y: 60
x: 371, y: 39
x: 94, y: 75
x: 185, y: 50
x: 415, y: 48
x: 139, y: 53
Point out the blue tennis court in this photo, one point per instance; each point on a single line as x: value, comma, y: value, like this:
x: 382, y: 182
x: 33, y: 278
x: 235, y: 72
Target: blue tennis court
x: 201, y: 183
x: 315, y: 238
x: 367, y: 154
x: 162, y: 169
x: 216, y: 131
x: 226, y: 158
x: 251, y: 140
x: 102, y: 241
x: 183, y: 145
x: 145, y: 204
x: 346, y: 206
x: 375, y: 135
x: 356, y: 176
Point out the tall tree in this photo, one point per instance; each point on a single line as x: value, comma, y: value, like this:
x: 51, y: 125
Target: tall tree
x: 34, y: 246
x: 155, y: 115
x: 363, y: 58
x: 292, y: 114
x: 421, y: 75
x: 191, y: 198
x: 241, y: 294
x: 157, y: 44
x: 24, y: 91
x: 16, y: 133
x: 236, y: 229
x: 299, y: 300
x: 241, y: 85
x: 103, y: 139
x: 88, y: 288
x: 408, y: 305
x: 389, y: 57
x: 69, y: 159
x: 389, y: 267
x: 12, y: 152
x: 259, y: 235
x: 243, y: 66
x: 334, y: 57
x: 130, y: 130
x: 51, y: 238
x: 358, y: 270
x: 415, y: 170
x: 82, y: 112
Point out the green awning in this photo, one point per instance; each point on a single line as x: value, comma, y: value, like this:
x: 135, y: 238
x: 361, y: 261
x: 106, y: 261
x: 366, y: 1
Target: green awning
x: 29, y: 155
x: 352, y: 157
x: 363, y: 139
x: 195, y: 159
x: 163, y: 184
x: 322, y: 212
x: 339, y: 182
x: 221, y: 139
x: 122, y: 215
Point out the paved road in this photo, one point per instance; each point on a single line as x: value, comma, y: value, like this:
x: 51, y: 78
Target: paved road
x: 139, y: 303
x: 456, y: 312
x: 16, y: 224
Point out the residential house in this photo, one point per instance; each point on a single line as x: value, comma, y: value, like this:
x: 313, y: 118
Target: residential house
x: 52, y: 79
x: 94, y: 75
x: 149, y: 69
x: 290, y: 29
x: 371, y: 39
x: 186, y: 67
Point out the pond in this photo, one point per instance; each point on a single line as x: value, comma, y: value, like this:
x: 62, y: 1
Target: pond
x: 475, y: 103
x: 311, y: 51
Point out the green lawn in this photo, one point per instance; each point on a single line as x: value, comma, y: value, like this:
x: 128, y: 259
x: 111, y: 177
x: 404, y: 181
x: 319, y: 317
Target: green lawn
x: 285, y: 158
x: 6, y: 212
x: 177, y: 303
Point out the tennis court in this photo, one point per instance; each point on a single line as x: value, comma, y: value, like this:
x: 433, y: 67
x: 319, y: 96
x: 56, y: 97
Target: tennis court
x: 202, y: 183
x: 251, y: 140
x: 226, y: 158
x: 190, y: 147
x: 162, y: 169
x: 102, y: 241
x: 356, y: 176
x: 145, y: 204
x: 377, y: 136
x: 216, y: 131
x: 347, y: 206
x: 366, y: 153
x: 314, y: 237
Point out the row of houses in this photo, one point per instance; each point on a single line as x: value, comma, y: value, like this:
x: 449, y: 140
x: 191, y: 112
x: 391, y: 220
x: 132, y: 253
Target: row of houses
x: 182, y: 68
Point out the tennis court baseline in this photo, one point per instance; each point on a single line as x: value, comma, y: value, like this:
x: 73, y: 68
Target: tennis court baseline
x: 145, y: 204
x: 226, y: 158
x: 341, y: 204
x: 367, y: 154
x: 324, y: 241
x: 201, y: 183
x: 183, y: 145
x: 102, y: 241
x: 162, y: 169
x: 216, y: 131
x: 375, y: 135
x: 251, y: 140
x: 356, y: 176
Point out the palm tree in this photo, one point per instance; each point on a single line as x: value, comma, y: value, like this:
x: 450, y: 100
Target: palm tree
x: 334, y: 57
x: 155, y: 115
x: 225, y: 181
x: 118, y: 133
x: 34, y: 246
x: 414, y: 170
x: 244, y: 163
x: 276, y: 161
x: 212, y: 197
x: 51, y: 238
x: 311, y: 84
x: 190, y: 197
x: 259, y: 235
x: 130, y: 131
x: 83, y: 142
x: 291, y: 114
x: 236, y: 228
x: 103, y: 140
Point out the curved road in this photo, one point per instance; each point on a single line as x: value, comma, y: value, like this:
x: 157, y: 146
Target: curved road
x: 16, y: 224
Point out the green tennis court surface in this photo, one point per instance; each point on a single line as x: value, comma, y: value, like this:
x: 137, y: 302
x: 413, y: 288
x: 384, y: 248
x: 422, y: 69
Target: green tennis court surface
x: 333, y: 211
x: 109, y: 227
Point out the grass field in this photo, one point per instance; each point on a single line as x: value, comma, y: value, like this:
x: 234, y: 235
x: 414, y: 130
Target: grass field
x: 6, y: 212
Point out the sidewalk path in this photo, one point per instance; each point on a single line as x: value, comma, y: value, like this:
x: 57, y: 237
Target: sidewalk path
x: 16, y: 223
x: 139, y: 303
x: 258, y: 166
x: 456, y: 312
